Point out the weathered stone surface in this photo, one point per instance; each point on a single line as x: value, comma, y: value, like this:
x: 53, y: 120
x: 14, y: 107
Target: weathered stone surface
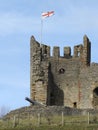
x: 33, y: 111
x: 69, y: 80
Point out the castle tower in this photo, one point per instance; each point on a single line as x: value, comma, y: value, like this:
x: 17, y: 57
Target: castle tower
x: 38, y: 71
x: 38, y: 84
x: 59, y: 80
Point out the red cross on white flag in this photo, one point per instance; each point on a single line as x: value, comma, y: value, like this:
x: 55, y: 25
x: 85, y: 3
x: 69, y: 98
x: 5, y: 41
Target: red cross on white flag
x: 47, y: 14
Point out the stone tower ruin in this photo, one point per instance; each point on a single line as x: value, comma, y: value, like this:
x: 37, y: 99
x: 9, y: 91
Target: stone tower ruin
x: 68, y: 80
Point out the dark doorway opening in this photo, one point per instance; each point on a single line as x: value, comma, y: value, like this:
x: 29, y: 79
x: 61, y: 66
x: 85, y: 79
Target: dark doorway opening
x: 52, y: 102
x: 75, y: 105
x: 95, y: 97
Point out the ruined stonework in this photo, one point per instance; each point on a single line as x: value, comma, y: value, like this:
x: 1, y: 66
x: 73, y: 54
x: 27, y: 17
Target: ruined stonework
x: 68, y: 80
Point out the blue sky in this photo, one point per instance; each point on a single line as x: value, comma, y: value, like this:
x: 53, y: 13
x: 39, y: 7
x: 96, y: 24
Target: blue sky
x: 19, y: 19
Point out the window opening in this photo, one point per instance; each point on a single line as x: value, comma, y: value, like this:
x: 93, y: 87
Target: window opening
x: 61, y: 71
x: 78, y: 54
x: 75, y: 105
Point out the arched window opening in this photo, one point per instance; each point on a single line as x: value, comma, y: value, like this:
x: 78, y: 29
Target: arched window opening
x: 78, y: 54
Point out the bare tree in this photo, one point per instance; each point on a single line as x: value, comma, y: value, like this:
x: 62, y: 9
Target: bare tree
x: 4, y: 110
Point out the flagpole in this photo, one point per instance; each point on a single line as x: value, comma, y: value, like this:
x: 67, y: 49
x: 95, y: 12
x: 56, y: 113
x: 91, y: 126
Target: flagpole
x: 41, y: 30
x: 44, y: 15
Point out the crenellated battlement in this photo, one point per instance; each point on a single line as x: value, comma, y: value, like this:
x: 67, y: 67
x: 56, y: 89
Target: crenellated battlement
x: 81, y: 51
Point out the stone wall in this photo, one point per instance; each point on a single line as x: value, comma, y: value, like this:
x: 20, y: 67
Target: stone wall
x: 50, y: 111
x: 67, y: 80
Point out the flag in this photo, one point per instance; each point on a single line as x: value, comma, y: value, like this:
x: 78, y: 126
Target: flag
x: 47, y: 14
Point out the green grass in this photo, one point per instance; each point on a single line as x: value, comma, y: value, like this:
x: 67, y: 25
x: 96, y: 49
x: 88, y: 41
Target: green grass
x: 50, y: 123
x: 65, y: 127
